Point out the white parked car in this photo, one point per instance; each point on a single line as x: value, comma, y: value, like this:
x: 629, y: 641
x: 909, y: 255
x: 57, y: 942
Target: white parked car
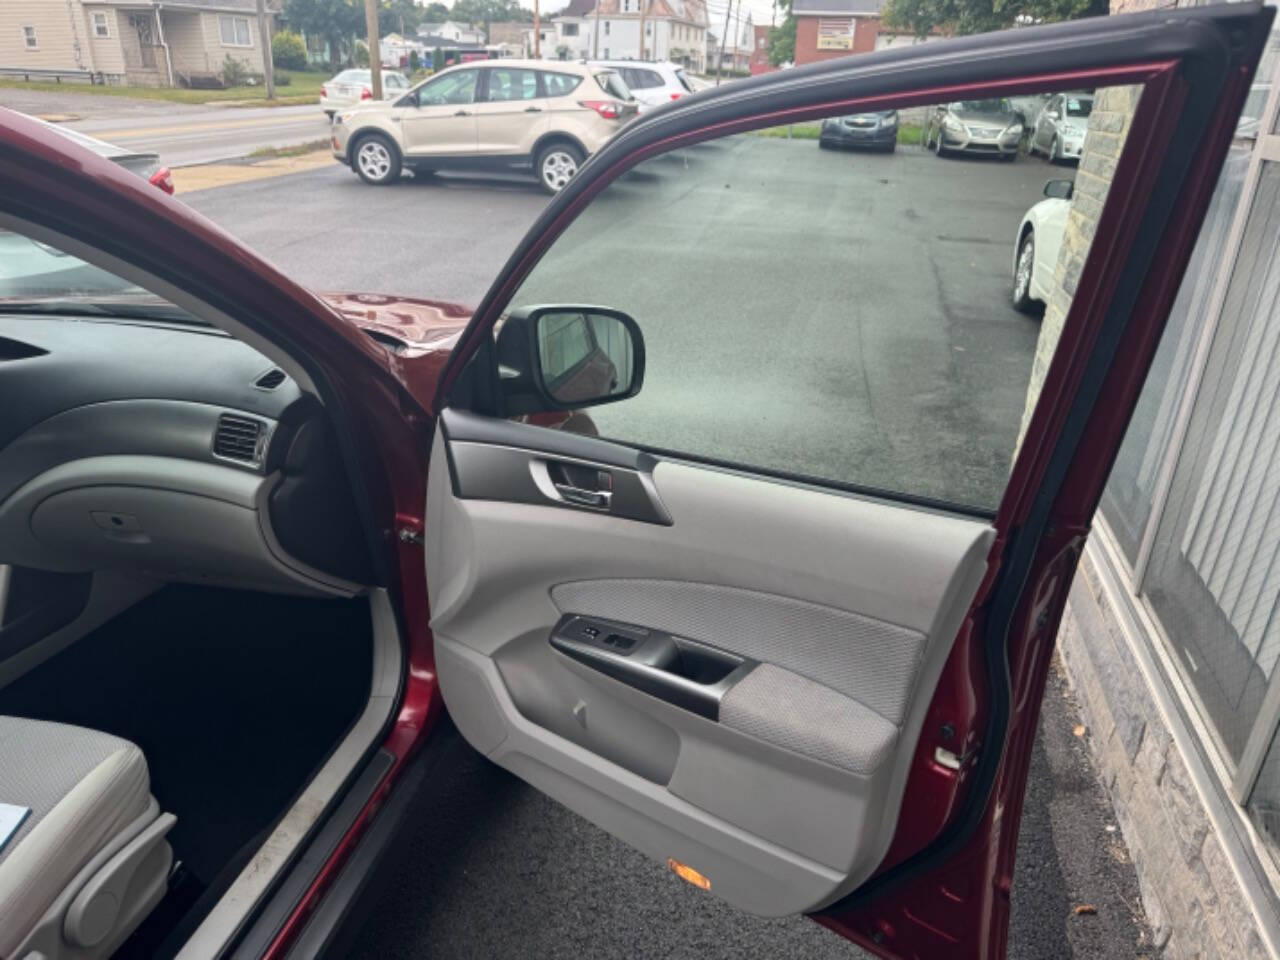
x: 1035, y: 251
x: 355, y: 86
x: 652, y: 84
x: 1060, y: 127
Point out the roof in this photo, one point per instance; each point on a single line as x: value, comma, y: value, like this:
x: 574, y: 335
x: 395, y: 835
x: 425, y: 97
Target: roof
x: 837, y: 7
x: 246, y: 6
x: 577, y: 8
x: 691, y: 11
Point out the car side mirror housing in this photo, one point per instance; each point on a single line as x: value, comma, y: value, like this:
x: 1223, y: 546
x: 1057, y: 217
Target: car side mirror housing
x: 567, y: 357
x: 1059, y: 189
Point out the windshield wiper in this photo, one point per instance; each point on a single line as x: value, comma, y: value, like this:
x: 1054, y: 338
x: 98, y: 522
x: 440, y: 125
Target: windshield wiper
x: 129, y: 307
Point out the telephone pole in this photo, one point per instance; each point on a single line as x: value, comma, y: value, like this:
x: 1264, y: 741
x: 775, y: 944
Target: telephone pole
x: 642, y: 12
x: 268, y: 61
x: 595, y: 43
x: 375, y: 47
x: 728, y: 11
x: 537, y: 32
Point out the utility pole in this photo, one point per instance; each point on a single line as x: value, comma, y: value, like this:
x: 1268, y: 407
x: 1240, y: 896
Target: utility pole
x: 268, y: 61
x: 375, y: 47
x: 642, y: 13
x: 595, y: 44
x: 537, y: 32
x: 728, y: 11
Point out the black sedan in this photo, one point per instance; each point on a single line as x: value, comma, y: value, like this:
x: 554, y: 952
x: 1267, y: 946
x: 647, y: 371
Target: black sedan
x: 878, y: 129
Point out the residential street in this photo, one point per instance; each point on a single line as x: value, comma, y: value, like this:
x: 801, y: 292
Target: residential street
x: 181, y: 133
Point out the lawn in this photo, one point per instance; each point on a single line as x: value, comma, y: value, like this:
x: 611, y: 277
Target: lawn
x: 303, y: 87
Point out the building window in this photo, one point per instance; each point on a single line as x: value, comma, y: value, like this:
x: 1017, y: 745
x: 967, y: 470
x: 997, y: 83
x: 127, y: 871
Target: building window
x: 648, y: 29
x: 235, y: 32
x: 606, y: 33
x: 29, y: 38
x: 100, y: 25
x: 835, y: 34
x: 570, y: 29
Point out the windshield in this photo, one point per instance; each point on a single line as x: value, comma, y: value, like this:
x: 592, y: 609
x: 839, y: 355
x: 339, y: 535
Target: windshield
x: 38, y: 278
x: 993, y: 105
x: 1079, y: 106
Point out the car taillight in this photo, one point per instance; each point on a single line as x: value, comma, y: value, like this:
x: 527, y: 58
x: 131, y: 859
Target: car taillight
x: 609, y: 109
x: 675, y: 96
x: 323, y: 91
x: 366, y: 93
x: 163, y: 179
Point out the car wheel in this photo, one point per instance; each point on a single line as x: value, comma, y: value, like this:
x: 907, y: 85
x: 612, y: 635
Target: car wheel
x: 557, y: 165
x: 1022, y: 301
x: 1052, y: 155
x: 377, y: 160
x: 938, y: 148
x: 823, y: 144
x: 329, y: 114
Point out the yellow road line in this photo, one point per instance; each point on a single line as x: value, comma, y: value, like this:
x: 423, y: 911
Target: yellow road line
x: 193, y: 127
x: 210, y: 175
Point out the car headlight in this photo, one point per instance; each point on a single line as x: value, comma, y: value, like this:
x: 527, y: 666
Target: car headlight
x: 1013, y: 130
x: 953, y: 125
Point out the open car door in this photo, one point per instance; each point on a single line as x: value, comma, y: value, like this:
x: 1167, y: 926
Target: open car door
x: 787, y: 628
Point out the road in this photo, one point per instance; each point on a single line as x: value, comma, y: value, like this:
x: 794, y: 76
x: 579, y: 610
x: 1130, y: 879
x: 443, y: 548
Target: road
x: 495, y: 869
x: 183, y: 134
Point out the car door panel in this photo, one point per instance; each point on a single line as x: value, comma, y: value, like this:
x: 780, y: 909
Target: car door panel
x: 849, y: 606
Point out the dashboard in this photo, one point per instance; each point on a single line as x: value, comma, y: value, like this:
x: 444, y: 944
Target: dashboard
x: 170, y: 450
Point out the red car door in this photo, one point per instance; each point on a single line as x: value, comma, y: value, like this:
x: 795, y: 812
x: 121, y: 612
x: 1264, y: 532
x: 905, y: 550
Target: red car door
x: 793, y: 648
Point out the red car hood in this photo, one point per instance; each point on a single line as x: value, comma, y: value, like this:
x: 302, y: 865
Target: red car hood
x: 419, y: 334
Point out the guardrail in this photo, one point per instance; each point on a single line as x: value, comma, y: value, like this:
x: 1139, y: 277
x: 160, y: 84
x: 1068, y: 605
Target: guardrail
x: 44, y: 73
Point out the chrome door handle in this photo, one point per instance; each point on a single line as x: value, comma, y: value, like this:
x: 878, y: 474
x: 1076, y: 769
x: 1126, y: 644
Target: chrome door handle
x: 532, y: 109
x: 463, y: 113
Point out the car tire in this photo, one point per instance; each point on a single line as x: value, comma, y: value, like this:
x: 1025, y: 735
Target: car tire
x: 1022, y: 268
x: 938, y: 148
x: 329, y: 114
x: 1052, y: 155
x: 376, y: 159
x: 823, y: 144
x: 556, y: 165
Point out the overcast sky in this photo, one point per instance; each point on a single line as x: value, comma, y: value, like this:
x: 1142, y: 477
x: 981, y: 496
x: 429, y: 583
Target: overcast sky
x: 760, y: 10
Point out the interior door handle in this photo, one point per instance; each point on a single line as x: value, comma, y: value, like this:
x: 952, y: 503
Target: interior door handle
x: 587, y: 498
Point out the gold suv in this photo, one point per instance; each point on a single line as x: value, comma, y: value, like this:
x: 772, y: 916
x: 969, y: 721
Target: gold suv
x: 495, y: 114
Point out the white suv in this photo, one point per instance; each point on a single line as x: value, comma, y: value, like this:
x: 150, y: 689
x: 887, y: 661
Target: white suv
x: 495, y: 114
x: 652, y: 84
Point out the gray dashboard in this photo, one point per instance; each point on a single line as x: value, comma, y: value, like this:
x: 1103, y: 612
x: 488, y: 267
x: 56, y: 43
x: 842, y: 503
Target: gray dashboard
x: 171, y: 450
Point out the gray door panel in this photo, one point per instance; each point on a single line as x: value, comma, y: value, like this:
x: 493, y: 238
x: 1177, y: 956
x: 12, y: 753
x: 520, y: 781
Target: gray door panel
x: 789, y: 796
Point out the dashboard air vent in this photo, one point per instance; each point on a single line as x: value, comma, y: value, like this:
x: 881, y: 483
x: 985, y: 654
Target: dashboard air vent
x: 236, y: 438
x: 270, y: 380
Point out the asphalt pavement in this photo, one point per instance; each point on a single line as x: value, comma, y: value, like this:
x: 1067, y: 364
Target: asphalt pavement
x: 182, y: 134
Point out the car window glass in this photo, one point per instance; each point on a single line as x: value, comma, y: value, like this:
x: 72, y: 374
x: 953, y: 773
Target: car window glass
x: 853, y: 321
x: 684, y: 81
x: 508, y: 84
x: 1079, y: 106
x: 991, y: 105
x: 560, y: 84
x: 450, y: 88
x: 563, y: 340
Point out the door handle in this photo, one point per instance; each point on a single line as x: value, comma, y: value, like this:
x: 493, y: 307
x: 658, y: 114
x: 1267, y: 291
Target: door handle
x: 463, y: 113
x: 584, y: 497
x: 532, y: 109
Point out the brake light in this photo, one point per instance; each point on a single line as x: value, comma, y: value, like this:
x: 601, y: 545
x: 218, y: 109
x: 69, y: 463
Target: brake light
x: 323, y: 91
x: 163, y: 179
x: 609, y: 109
x: 366, y: 93
x: 675, y: 96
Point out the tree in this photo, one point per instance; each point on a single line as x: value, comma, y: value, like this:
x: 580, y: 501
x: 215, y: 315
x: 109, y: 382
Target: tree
x: 288, y: 51
x: 335, y: 20
x: 782, y: 40
x: 923, y: 17
x: 437, y: 60
x: 436, y: 13
x: 398, y: 16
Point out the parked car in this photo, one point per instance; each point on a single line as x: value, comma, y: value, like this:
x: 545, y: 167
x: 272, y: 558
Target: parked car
x: 144, y: 163
x: 1059, y: 130
x: 878, y: 129
x: 509, y: 115
x: 652, y: 84
x: 351, y: 87
x: 803, y: 697
x: 991, y: 127
x: 1035, y: 250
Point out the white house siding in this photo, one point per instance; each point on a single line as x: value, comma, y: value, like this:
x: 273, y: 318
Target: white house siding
x: 185, y: 34
x: 59, y: 30
x: 107, y: 56
x: 216, y: 51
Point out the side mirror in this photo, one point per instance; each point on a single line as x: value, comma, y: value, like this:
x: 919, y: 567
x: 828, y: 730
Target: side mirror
x: 568, y: 357
x: 1060, y: 189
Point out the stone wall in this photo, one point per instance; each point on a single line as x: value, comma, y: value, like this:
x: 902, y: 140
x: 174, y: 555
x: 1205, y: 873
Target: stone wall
x: 1191, y: 895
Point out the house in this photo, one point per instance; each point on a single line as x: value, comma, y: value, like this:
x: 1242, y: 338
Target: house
x: 674, y: 30
x: 835, y: 28
x: 460, y: 33
x: 736, y: 52
x: 759, y: 62
x: 137, y: 42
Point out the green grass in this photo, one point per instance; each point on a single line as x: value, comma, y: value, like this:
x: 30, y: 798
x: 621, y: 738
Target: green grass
x: 304, y: 87
x: 908, y: 133
x: 310, y: 147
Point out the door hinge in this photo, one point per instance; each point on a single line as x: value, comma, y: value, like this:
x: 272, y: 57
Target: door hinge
x: 946, y: 758
x: 409, y: 535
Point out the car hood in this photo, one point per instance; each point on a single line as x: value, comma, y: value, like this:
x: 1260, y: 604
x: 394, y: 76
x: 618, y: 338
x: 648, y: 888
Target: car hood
x: 1001, y: 120
x: 413, y: 325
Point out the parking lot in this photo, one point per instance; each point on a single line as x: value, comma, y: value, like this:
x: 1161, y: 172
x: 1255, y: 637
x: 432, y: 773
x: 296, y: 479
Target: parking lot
x: 901, y: 286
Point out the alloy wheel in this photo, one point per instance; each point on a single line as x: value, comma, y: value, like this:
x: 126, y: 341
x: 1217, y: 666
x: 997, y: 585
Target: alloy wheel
x: 374, y: 159
x: 558, y: 168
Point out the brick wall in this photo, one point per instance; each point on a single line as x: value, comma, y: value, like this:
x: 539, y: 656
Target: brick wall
x: 864, y: 39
